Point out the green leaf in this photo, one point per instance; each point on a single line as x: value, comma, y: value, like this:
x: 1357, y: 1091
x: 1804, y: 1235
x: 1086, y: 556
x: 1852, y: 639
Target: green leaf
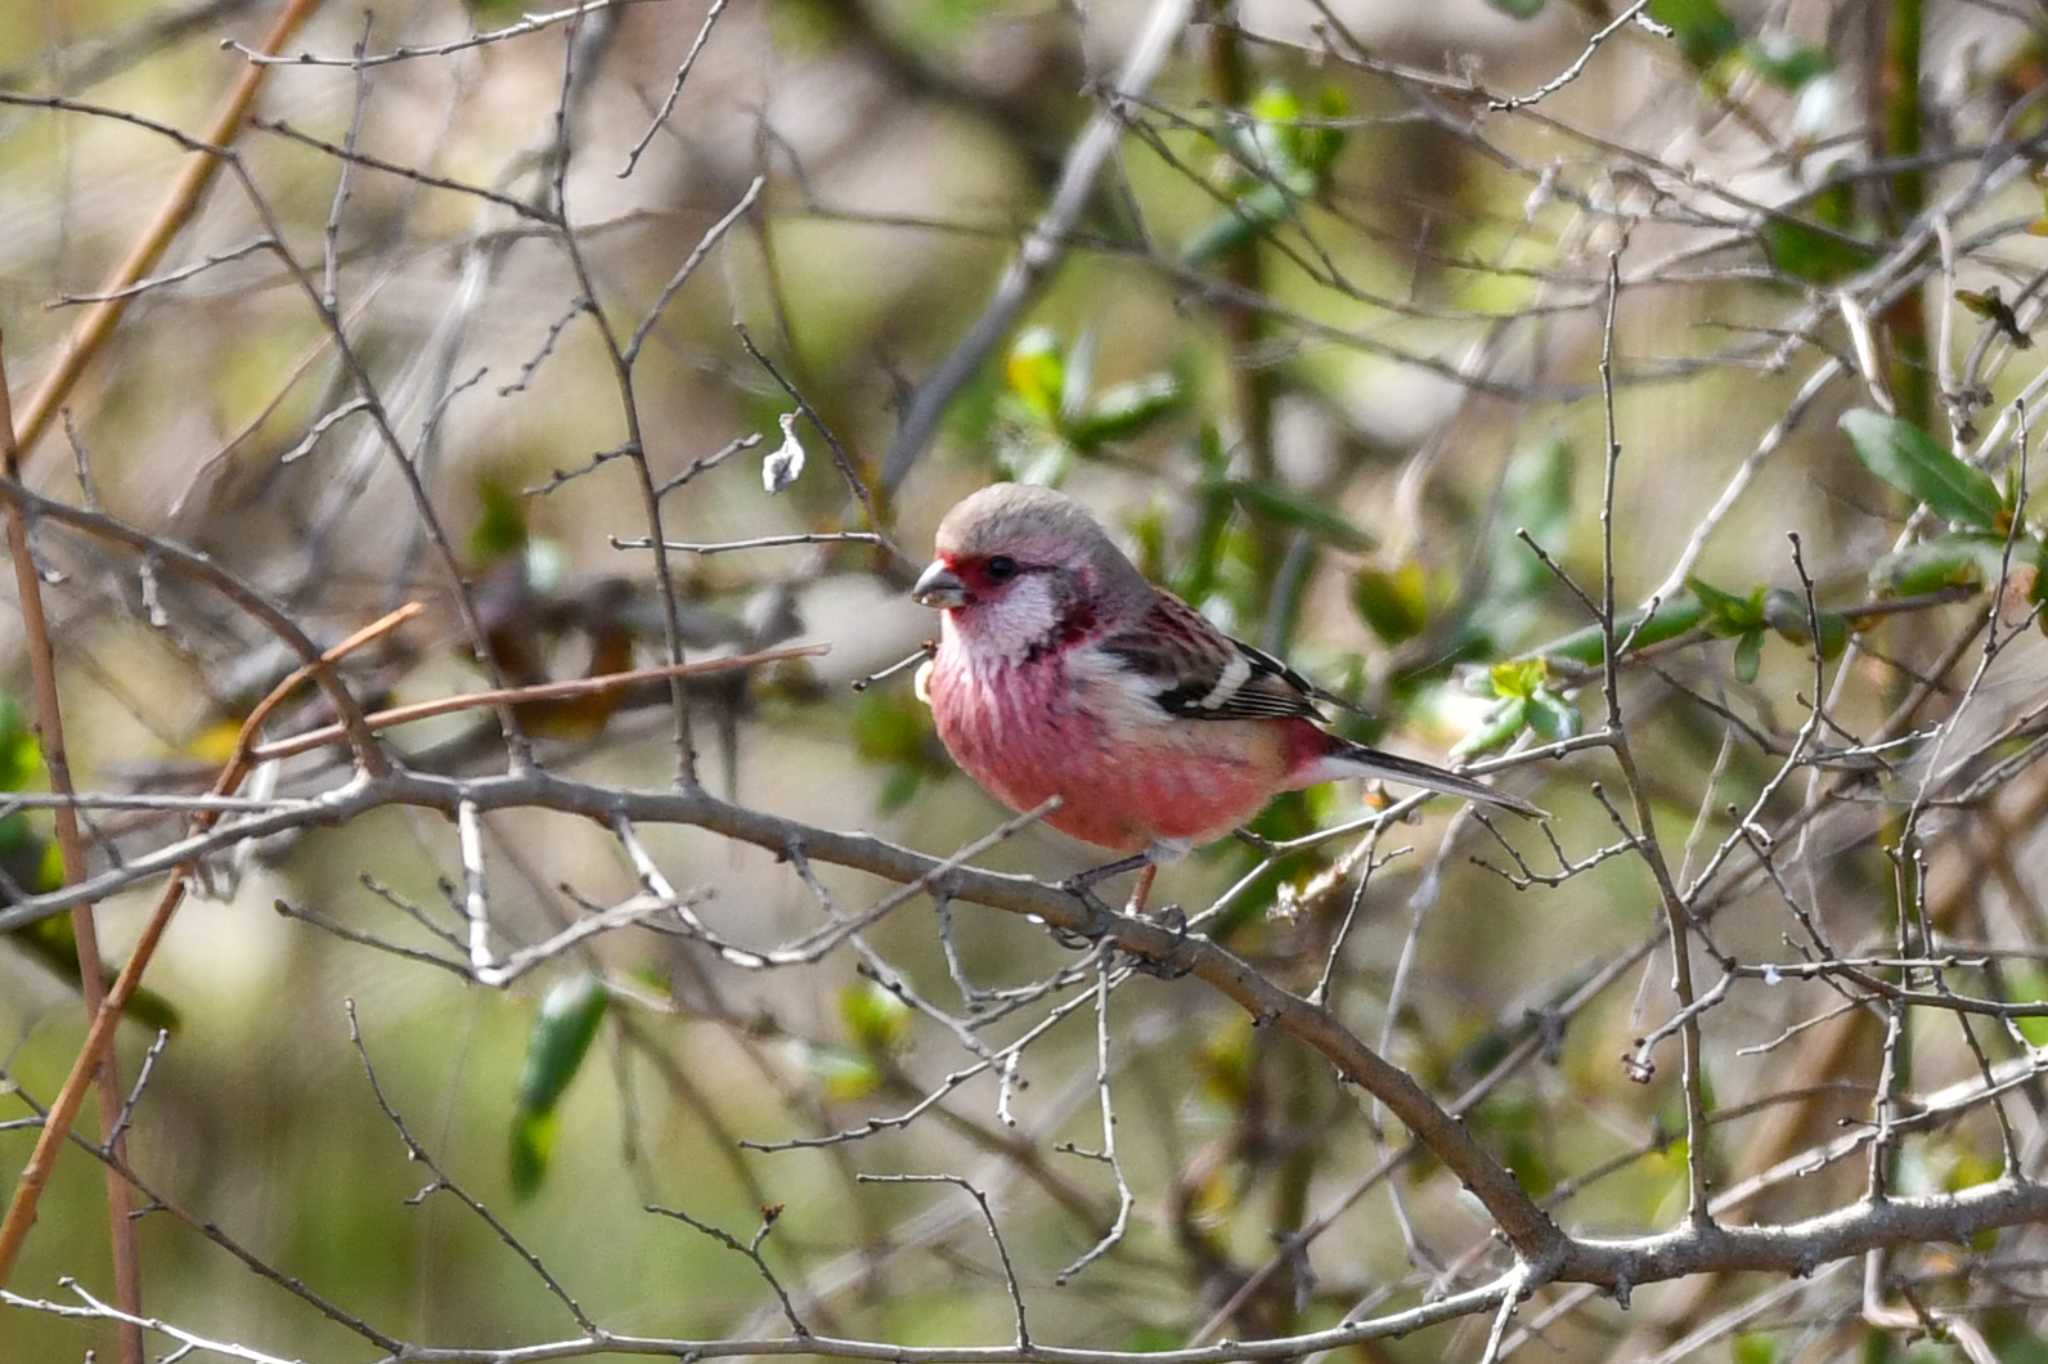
x: 1044, y: 463
x: 1276, y: 129
x: 1127, y: 410
x: 1498, y: 730
x: 533, y: 1141
x: 1239, y: 225
x: 1727, y: 614
x: 1992, y: 307
x: 1814, y: 254
x: 1957, y: 560
x: 1749, y: 653
x: 1199, y: 575
x: 500, y: 530
x: 1393, y: 602
x: 1317, y: 147
x: 1535, y: 496
x: 1223, y: 1062
x: 1035, y: 371
x: 49, y: 942
x: 1908, y: 458
x: 844, y: 1075
x: 889, y: 726
x: 21, y: 760
x: 899, y: 788
x: 1294, y: 509
x: 1152, y: 1339
x: 1785, y: 612
x: 1705, y: 32
x: 875, y: 1019
x: 1755, y: 1347
x: 1520, y: 9
x: 1519, y: 676
x: 1521, y: 1131
x: 2027, y: 983
x: 1671, y: 619
x: 561, y: 1037
x: 1784, y: 61
x: 1552, y: 717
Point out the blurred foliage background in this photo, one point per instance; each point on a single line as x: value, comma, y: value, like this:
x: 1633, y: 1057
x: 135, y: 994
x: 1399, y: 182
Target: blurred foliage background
x: 1322, y: 341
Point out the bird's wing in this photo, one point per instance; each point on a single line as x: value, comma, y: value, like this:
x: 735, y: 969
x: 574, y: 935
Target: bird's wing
x: 1195, y: 671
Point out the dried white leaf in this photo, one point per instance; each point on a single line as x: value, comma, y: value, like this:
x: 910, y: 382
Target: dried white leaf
x: 786, y: 463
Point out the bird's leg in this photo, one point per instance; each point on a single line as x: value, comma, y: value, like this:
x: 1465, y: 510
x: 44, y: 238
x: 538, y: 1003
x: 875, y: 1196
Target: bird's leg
x: 1135, y: 906
x: 1081, y: 886
x: 1084, y: 880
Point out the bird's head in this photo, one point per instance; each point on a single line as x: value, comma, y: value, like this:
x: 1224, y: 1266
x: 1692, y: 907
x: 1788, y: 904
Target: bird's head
x: 1018, y: 567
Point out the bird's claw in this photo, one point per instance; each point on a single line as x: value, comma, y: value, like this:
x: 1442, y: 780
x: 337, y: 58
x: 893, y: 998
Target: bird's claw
x: 1100, y: 915
x: 1171, y: 916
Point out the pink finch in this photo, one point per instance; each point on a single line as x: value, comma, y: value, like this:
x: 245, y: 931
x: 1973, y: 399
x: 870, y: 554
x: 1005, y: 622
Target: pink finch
x: 1062, y: 672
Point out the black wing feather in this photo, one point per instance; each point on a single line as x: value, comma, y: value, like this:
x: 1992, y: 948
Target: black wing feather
x: 1192, y: 659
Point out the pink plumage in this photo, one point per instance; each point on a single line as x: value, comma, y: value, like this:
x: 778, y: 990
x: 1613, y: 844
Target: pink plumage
x: 1062, y: 672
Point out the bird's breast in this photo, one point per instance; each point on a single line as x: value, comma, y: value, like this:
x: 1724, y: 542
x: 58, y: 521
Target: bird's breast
x: 1127, y: 774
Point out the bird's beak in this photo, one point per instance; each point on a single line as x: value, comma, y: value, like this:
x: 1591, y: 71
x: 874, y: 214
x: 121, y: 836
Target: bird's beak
x: 939, y: 587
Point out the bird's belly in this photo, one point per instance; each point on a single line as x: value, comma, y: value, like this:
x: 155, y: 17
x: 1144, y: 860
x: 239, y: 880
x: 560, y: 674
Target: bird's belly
x: 1026, y: 736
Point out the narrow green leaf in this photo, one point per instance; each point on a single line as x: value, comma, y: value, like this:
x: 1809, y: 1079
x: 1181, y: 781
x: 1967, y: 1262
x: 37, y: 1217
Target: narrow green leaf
x: 1393, y: 602
x: 875, y: 1019
x: 1958, y: 560
x: 1727, y: 614
x: 1785, y: 612
x: 2026, y: 983
x: 1749, y: 653
x: 1813, y: 254
x: 21, y: 760
x: 1035, y: 371
x: 533, y: 1141
x: 844, y: 1075
x: 1553, y: 717
x: 1245, y: 221
x: 1294, y: 509
x: 561, y: 1037
x: 1498, y: 730
x: 500, y: 530
x: 1535, y: 496
x: 1705, y: 32
x: 1520, y: 9
x: 1784, y: 61
x: 50, y: 943
x: 1672, y: 619
x: 1990, y: 305
x: 1753, y: 1348
x: 1908, y: 458
x: 899, y: 788
x: 1319, y: 146
x: 1127, y: 410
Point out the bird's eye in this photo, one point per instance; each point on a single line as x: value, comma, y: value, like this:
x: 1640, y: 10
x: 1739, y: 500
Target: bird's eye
x: 1000, y: 568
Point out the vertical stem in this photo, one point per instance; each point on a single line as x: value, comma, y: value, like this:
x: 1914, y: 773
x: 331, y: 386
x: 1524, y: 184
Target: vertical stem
x: 49, y: 725
x: 1899, y: 87
x: 1912, y: 383
x: 1251, y: 387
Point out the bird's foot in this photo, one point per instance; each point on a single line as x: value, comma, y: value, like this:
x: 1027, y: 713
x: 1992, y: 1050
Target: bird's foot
x: 1100, y: 916
x: 1163, y: 965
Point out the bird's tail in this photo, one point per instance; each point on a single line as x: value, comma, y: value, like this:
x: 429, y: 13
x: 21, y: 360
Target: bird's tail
x: 1347, y: 759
